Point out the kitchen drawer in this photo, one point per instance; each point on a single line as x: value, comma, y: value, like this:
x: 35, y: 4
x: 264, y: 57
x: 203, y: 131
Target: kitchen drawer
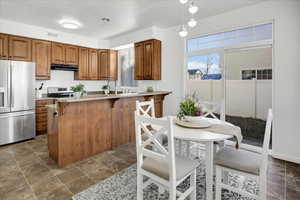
x: 41, y: 110
x: 44, y: 102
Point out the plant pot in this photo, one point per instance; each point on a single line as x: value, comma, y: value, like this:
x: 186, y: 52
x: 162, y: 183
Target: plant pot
x: 106, y: 92
x: 77, y: 94
x: 194, y: 118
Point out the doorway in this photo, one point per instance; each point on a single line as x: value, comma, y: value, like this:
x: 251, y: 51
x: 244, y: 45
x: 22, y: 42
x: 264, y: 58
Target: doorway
x: 248, y: 90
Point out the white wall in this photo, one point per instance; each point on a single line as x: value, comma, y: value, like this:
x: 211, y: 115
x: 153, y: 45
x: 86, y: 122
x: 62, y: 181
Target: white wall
x: 286, y: 95
x: 58, y: 78
x: 172, y: 62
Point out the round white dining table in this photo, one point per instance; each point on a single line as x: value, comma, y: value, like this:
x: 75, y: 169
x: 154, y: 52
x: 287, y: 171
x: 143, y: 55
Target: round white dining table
x: 207, y: 138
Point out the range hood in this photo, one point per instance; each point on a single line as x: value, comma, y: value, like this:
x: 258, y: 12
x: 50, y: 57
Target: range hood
x: 64, y: 67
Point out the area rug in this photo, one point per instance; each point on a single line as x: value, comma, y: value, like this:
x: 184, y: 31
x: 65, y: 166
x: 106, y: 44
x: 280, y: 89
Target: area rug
x: 122, y: 186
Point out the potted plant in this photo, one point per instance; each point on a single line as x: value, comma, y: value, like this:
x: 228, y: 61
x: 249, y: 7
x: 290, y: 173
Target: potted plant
x: 78, y: 90
x: 105, y: 88
x: 190, y: 109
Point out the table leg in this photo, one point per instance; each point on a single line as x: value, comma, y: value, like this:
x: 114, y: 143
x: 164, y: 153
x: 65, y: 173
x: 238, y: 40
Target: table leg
x: 188, y: 146
x: 209, y: 169
x: 179, y: 147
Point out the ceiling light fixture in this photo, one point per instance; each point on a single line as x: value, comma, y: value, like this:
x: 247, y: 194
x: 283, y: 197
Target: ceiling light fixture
x: 192, y: 23
x: 183, y: 1
x: 183, y: 32
x: 193, y: 8
x: 70, y: 24
x: 105, y: 19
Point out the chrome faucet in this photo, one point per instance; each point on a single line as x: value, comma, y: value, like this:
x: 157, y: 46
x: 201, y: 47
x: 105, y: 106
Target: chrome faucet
x: 116, y: 89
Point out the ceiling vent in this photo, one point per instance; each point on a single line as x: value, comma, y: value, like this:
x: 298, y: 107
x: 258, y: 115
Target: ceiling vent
x: 52, y: 34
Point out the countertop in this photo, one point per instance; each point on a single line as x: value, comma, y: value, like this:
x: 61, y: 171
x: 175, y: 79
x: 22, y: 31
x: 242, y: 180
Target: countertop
x: 110, y: 96
x: 96, y: 95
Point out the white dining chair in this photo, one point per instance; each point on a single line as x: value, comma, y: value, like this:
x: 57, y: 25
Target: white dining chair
x: 162, y: 167
x: 147, y: 108
x: 246, y: 164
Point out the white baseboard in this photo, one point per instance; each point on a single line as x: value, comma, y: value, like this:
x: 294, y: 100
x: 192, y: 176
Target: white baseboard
x: 286, y: 157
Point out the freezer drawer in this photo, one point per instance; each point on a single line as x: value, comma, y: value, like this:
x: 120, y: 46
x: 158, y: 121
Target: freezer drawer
x: 16, y: 127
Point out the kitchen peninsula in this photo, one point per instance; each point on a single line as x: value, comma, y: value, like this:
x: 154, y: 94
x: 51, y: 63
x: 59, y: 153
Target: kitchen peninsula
x: 82, y: 127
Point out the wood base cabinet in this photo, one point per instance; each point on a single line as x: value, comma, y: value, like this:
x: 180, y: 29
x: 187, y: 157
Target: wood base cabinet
x: 86, y: 128
x: 41, y: 115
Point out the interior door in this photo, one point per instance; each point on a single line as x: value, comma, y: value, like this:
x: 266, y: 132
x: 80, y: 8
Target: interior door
x: 22, y: 87
x: 4, y: 86
x: 249, y: 90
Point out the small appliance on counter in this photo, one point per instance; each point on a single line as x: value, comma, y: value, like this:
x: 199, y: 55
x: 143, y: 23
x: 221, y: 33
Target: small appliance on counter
x: 59, y: 92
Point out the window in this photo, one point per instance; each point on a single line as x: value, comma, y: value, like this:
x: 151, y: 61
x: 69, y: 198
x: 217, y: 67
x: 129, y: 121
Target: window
x: 229, y: 38
x: 126, y: 67
x: 204, y: 67
x: 259, y: 74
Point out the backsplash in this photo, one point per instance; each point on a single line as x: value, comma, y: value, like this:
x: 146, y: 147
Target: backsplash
x: 66, y: 79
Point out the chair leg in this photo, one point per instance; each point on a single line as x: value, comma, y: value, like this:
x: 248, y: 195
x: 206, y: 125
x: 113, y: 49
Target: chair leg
x: 188, y: 145
x: 172, y: 192
x: 139, y: 186
x: 218, y: 183
x: 180, y: 147
x: 262, y: 187
x: 193, y: 184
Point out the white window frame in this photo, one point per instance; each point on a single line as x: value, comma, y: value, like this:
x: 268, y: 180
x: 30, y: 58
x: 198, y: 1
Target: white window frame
x: 257, y: 44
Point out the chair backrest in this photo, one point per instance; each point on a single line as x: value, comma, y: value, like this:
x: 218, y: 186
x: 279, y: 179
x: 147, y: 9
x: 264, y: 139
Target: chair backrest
x: 145, y: 108
x: 160, y: 153
x: 266, y: 144
x: 210, y: 108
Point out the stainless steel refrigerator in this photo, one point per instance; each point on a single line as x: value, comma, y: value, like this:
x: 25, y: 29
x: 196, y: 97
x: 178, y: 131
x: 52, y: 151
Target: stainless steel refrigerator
x: 17, y: 101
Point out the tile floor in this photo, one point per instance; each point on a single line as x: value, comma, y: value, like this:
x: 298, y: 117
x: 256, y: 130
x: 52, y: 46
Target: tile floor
x: 27, y: 173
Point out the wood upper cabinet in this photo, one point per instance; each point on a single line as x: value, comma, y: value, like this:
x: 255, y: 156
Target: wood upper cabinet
x: 148, y: 60
x: 93, y: 64
x: 20, y: 48
x: 41, y: 55
x: 3, y: 46
x: 71, y: 53
x: 107, y: 64
x: 58, y: 53
x: 64, y: 54
x: 139, y: 61
x: 83, y: 72
x: 103, y: 64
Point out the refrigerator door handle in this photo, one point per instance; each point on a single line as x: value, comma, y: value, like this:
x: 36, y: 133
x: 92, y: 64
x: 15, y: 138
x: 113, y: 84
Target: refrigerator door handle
x: 5, y: 83
x: 16, y: 114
